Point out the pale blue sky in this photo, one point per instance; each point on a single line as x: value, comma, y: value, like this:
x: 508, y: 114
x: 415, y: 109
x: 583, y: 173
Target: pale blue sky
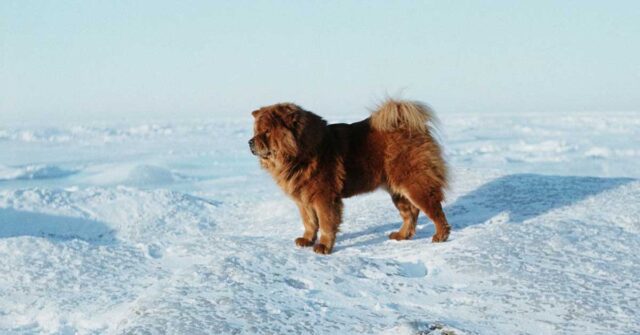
x: 141, y: 59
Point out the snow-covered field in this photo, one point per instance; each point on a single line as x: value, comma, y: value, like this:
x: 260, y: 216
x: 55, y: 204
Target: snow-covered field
x: 153, y: 228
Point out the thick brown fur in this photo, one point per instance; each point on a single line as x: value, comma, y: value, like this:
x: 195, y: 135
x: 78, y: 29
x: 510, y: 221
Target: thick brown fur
x: 318, y: 165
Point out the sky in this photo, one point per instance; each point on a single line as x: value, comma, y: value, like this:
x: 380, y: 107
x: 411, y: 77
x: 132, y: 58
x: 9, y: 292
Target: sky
x: 100, y: 60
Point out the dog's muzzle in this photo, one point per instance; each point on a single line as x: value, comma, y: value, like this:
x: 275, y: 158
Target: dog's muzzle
x: 252, y: 146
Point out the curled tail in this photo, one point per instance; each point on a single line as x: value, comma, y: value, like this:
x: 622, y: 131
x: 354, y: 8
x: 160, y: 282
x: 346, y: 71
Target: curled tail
x: 424, y: 151
x: 401, y: 114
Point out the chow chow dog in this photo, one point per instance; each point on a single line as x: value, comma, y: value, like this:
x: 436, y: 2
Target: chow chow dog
x: 318, y: 165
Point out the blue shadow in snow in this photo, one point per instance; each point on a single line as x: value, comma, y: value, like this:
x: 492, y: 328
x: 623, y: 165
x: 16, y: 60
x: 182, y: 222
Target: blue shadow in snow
x: 525, y: 196
x: 522, y: 196
x: 14, y: 223
x: 41, y: 173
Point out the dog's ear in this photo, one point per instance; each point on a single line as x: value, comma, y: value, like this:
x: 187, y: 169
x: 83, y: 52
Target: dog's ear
x: 292, y: 118
x: 291, y: 115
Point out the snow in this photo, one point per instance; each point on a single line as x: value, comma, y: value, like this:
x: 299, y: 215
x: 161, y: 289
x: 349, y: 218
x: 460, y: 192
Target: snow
x: 172, y: 228
x: 33, y: 172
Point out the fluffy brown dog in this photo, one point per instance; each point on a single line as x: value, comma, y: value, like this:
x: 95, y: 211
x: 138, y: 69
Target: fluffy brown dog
x: 318, y: 164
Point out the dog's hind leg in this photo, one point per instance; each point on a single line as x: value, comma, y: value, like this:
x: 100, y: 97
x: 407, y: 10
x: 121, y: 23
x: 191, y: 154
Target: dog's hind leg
x: 409, y: 214
x: 428, y: 201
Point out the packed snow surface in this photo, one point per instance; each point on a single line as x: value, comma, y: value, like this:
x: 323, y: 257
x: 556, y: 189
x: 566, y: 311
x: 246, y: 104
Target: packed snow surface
x: 172, y: 228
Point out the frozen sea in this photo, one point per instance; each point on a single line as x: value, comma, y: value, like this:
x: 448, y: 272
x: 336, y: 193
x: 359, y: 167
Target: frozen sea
x: 171, y: 227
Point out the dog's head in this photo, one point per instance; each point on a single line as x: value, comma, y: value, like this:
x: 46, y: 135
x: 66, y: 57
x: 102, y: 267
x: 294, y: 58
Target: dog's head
x: 285, y: 131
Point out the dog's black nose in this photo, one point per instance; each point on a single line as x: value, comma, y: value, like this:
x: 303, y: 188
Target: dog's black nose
x: 251, y: 142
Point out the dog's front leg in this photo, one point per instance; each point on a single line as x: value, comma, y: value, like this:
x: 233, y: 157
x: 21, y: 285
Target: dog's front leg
x: 310, y: 222
x: 329, y: 212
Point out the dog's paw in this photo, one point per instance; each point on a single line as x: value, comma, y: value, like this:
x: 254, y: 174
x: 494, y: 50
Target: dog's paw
x: 303, y: 242
x: 398, y: 237
x: 321, y: 249
x: 440, y: 237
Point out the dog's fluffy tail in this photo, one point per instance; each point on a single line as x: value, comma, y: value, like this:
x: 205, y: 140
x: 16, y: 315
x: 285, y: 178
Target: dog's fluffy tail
x: 401, y: 114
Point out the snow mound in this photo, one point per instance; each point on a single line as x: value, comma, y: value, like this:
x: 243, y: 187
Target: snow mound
x: 95, y: 251
x: 143, y: 175
x: 131, y: 214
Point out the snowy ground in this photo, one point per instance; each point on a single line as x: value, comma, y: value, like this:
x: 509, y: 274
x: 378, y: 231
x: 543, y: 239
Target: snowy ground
x: 172, y: 228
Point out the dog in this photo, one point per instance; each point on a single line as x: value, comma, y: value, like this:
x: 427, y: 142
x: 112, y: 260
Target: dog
x: 318, y: 165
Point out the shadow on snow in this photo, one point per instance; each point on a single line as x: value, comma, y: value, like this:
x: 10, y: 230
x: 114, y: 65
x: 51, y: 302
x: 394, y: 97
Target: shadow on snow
x: 14, y: 223
x: 521, y: 196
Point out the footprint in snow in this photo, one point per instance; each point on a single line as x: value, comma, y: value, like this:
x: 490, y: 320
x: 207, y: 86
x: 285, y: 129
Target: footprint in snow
x: 296, y: 284
x: 413, y: 270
